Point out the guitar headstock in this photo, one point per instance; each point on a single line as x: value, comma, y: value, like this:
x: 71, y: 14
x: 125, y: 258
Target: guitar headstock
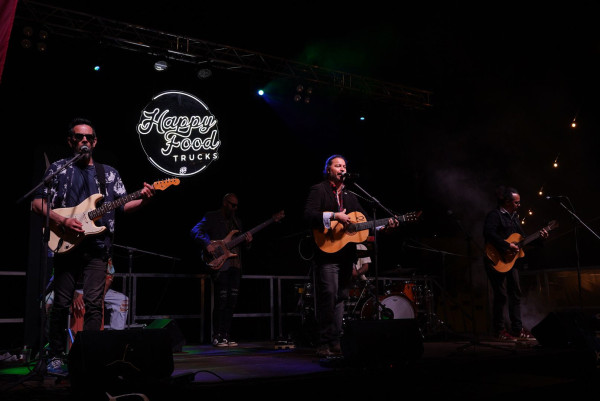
x: 164, y: 184
x: 412, y: 216
x: 278, y: 216
x: 552, y: 225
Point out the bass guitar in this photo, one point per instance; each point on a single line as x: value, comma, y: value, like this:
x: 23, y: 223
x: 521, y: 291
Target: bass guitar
x: 87, y: 213
x: 335, y: 238
x: 504, y: 261
x: 222, y: 248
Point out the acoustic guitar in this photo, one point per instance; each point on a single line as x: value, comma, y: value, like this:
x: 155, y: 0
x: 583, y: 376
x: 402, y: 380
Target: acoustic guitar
x: 504, y: 261
x: 333, y: 239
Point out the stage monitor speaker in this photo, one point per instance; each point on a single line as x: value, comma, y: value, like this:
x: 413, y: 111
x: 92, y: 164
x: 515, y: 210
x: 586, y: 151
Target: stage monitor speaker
x: 561, y: 330
x: 177, y: 339
x: 381, y: 343
x: 109, y: 359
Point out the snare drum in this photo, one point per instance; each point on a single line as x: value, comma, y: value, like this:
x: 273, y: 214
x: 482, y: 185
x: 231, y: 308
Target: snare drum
x: 400, y: 306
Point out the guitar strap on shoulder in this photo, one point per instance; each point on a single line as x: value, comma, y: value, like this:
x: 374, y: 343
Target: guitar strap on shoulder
x: 101, y: 177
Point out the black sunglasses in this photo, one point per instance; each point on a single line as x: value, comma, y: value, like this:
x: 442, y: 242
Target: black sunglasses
x: 89, y: 137
x: 232, y: 204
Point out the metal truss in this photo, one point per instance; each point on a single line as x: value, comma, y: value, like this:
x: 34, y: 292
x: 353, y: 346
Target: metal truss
x: 67, y: 23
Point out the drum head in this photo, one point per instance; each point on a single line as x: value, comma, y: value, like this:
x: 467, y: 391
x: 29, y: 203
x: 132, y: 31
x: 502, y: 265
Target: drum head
x: 395, y: 306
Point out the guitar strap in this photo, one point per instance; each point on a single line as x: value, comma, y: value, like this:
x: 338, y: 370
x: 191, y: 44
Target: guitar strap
x: 101, y: 175
x: 101, y: 178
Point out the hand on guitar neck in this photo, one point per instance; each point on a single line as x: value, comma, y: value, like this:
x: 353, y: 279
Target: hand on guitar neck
x: 347, y: 220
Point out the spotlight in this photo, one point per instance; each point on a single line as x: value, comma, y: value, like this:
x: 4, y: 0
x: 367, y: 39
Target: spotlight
x: 28, y: 31
x: 204, y: 73
x: 161, y: 65
x: 26, y: 43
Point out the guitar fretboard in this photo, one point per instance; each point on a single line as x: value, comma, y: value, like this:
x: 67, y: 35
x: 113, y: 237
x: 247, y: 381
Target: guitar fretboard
x: 376, y: 223
x: 108, y: 206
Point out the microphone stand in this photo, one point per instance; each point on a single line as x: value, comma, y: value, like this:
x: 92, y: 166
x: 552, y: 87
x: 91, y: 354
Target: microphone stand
x: 576, y: 244
x: 129, y: 286
x: 475, y: 340
x: 380, y: 307
x: 40, y: 367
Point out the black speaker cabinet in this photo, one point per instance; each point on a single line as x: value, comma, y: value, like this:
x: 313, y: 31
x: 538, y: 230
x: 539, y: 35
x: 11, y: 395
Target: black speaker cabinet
x: 562, y: 329
x: 382, y: 342
x: 108, y: 359
x: 177, y: 338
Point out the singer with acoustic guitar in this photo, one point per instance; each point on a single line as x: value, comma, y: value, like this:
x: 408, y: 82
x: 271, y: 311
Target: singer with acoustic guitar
x: 502, y: 261
x: 89, y: 234
x: 331, y: 211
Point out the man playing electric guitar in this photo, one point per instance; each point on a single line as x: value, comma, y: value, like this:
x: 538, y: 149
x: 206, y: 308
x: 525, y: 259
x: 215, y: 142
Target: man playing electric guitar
x: 69, y: 182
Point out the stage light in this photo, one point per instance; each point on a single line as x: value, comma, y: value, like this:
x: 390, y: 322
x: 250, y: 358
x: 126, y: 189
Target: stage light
x: 204, y: 73
x: 28, y: 31
x: 555, y: 164
x: 161, y: 65
x: 303, y: 94
x: 260, y: 92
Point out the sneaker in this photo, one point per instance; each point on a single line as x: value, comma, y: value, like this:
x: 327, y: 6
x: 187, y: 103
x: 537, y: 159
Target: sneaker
x: 219, y: 341
x: 230, y: 342
x: 525, y: 335
x: 57, y: 367
x: 506, y: 336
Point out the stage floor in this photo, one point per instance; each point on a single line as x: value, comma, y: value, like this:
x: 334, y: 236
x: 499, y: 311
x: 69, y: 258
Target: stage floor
x: 459, y: 368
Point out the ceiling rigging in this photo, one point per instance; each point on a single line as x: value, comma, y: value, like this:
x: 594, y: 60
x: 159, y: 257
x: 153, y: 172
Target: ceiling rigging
x: 61, y: 22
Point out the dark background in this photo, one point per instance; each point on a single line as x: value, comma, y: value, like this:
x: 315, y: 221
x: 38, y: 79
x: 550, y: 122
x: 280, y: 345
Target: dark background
x: 506, y: 84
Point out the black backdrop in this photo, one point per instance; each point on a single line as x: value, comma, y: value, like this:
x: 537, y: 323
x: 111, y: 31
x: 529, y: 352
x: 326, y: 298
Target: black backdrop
x: 501, y: 105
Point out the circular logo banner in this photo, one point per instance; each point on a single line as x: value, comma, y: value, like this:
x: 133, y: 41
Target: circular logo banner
x: 178, y: 133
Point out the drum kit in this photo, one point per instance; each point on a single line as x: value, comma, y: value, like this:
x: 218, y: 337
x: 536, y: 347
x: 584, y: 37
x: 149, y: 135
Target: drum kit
x: 400, y: 299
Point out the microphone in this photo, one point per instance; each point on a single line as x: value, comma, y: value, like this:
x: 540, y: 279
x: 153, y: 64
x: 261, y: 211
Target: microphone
x: 349, y: 176
x: 387, y: 313
x: 84, y: 149
x: 556, y: 198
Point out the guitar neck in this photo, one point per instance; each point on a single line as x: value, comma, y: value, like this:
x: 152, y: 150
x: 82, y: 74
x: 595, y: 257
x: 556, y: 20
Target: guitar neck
x: 241, y: 238
x: 365, y: 225
x: 108, y: 206
x: 529, y: 239
x: 535, y: 235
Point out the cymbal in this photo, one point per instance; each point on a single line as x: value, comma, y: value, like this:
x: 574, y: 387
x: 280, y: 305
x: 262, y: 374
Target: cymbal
x: 398, y: 271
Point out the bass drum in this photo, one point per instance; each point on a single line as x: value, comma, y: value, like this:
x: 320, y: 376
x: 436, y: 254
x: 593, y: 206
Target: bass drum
x: 395, y: 306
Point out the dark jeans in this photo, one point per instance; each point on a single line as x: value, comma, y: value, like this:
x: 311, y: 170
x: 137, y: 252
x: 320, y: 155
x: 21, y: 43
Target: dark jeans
x: 333, y: 286
x: 226, y: 291
x: 68, y: 269
x: 506, y: 287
